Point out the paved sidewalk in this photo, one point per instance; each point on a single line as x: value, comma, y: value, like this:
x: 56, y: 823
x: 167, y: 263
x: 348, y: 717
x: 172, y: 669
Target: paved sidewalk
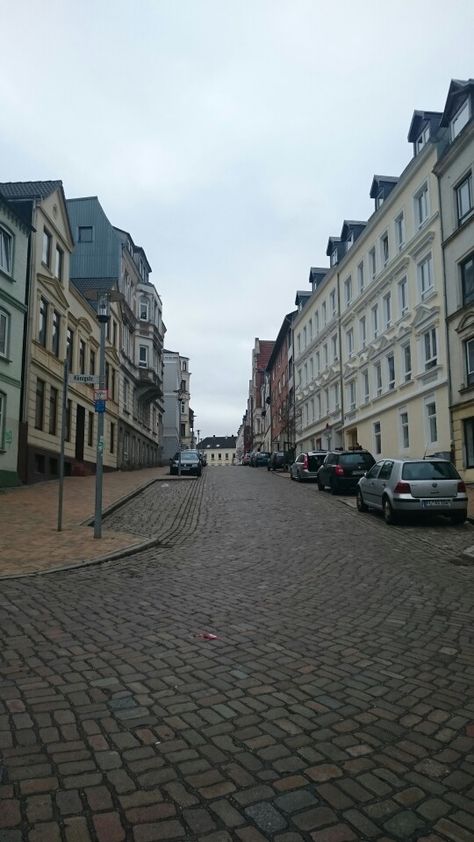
x: 29, y: 541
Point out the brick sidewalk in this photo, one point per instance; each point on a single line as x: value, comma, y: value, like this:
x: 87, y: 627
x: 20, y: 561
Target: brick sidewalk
x: 29, y: 541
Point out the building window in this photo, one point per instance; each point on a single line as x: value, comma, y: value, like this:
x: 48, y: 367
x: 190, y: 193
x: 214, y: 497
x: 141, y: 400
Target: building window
x: 182, y: 428
x: 39, y: 406
x: 56, y: 335
x: 310, y: 328
x: 47, y: 244
x: 334, y: 347
x: 421, y: 206
x: 460, y: 119
x: 470, y: 361
x: 144, y: 309
x: 82, y: 356
x: 298, y: 343
x: 318, y: 363
x: 375, y: 320
x: 387, y: 309
x: 332, y: 302
x: 348, y: 291
x: 377, y: 437
x: 406, y: 351
x: 405, y: 436
x: 352, y: 395
x: 305, y: 374
x: 422, y: 139
x: 53, y: 410
x: 114, y: 334
x: 68, y: 420
x: 6, y: 241
x: 3, y: 413
x: 112, y: 437
x: 143, y: 356
x: 4, y: 332
x: 365, y: 376
x: 378, y: 378
x: 85, y: 234
x: 360, y: 277
x: 183, y: 365
x: 91, y: 361
x: 373, y: 262
x: 363, y: 332
x: 58, y: 263
x: 432, y: 426
x: 90, y: 430
x: 403, y: 296
x: 325, y: 355
x: 305, y: 337
x: 324, y: 311
x: 400, y: 231
x: 391, y: 371
x: 113, y: 385
x: 468, y: 440
x: 464, y: 198
x: 425, y: 277
x: 125, y: 395
x: 70, y: 348
x: 334, y: 257
x: 316, y: 322
x: 43, y: 322
x: 431, y: 355
x: 350, y: 342
x: 467, y: 280
x: 384, y: 248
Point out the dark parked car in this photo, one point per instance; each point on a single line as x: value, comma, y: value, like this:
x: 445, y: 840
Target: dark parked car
x: 260, y: 459
x: 246, y: 459
x: 307, y: 465
x: 278, y: 461
x: 342, y: 470
x: 413, y: 486
x: 190, y: 463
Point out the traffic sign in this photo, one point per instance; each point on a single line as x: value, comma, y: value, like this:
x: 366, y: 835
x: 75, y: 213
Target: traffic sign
x: 88, y: 379
x: 99, y: 406
x: 100, y: 394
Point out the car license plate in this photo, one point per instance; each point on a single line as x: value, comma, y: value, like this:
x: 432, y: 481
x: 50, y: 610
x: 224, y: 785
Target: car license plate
x: 357, y: 473
x: 428, y: 504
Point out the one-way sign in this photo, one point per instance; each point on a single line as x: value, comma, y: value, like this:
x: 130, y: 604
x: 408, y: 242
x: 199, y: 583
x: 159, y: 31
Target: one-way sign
x: 92, y: 379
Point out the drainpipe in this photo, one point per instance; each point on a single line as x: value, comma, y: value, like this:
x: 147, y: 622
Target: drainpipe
x: 445, y: 296
x: 339, y: 333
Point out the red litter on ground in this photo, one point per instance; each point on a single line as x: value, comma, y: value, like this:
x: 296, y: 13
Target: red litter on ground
x: 207, y: 636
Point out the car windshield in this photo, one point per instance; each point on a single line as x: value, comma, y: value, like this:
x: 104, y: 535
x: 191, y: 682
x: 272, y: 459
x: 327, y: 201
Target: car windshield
x: 189, y: 457
x: 429, y: 470
x: 356, y: 459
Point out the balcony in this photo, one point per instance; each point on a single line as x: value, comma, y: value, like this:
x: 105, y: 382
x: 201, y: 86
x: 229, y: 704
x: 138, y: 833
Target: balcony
x: 149, y: 385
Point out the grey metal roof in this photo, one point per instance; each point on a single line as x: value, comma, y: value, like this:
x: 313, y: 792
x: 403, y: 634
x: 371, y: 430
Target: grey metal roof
x: 89, y: 285
x: 419, y: 119
x: 12, y: 208
x: 29, y: 189
x: 217, y: 441
x: 458, y: 89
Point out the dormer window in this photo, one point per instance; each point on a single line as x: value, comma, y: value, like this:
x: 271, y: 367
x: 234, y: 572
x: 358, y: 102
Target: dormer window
x: 460, y: 119
x: 379, y: 200
x: 422, y: 139
x: 350, y: 240
x: 334, y: 257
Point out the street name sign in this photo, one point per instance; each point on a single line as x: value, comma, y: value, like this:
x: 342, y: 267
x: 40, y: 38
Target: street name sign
x: 88, y: 379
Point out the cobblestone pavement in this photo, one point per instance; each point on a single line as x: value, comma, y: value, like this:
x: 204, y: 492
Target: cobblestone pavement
x: 336, y: 703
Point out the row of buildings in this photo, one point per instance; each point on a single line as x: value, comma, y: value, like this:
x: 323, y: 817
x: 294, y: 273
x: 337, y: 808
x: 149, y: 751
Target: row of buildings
x: 379, y: 352
x: 58, y: 258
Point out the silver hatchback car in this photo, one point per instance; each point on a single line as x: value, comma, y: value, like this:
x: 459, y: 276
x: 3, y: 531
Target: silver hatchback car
x: 413, y: 486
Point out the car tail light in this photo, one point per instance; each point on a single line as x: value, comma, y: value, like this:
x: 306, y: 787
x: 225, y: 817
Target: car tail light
x: 461, y: 486
x: 305, y: 462
x: 339, y: 471
x: 402, y: 488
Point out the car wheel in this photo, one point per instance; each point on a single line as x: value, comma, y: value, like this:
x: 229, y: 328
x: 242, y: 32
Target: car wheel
x: 333, y: 486
x: 361, y: 506
x: 458, y: 517
x: 388, y: 513
x: 320, y: 484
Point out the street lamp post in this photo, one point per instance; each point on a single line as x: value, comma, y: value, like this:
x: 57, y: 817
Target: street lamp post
x: 103, y: 316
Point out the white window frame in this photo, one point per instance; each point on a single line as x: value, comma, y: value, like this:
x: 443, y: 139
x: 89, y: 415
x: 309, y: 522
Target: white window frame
x: 377, y: 433
x: 430, y: 348
x: 375, y: 320
x: 425, y: 276
x: 334, y: 257
x: 403, y: 296
x: 316, y: 322
x: 378, y: 379
x: 144, y: 302
x: 360, y: 276
x: 422, y: 206
x: 384, y: 252
x: 407, y: 371
x: 332, y: 302
x: 348, y: 291
x: 404, y: 429
x: 431, y: 420
x: 325, y: 313
x: 6, y: 250
x: 460, y: 118
x: 391, y: 371
x: 5, y: 318
x: 363, y: 331
x: 422, y: 138
x: 400, y: 230
x: 143, y: 363
x: 335, y: 355
x: 352, y: 395
x: 350, y: 342
x: 365, y: 375
x: 387, y: 309
x: 469, y: 372
x: 465, y: 182
x: 325, y: 355
x: 373, y: 262
x: 3, y: 415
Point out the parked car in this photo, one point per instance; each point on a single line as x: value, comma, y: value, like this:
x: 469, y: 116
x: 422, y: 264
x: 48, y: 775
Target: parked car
x: 260, y: 459
x: 342, y: 470
x: 190, y: 463
x: 202, y: 457
x: 307, y: 465
x: 278, y: 461
x: 246, y: 459
x: 413, y: 486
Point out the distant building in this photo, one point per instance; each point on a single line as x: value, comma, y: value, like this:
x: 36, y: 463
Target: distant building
x: 178, y: 433
x: 281, y: 404
x: 14, y: 237
x: 256, y: 405
x: 219, y: 450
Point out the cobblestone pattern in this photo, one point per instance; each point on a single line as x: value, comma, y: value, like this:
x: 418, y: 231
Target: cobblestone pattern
x: 336, y: 704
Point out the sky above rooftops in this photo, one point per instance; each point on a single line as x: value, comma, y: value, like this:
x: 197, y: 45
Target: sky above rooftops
x: 230, y: 139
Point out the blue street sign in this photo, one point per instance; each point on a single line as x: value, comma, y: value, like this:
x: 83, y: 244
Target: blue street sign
x: 99, y: 406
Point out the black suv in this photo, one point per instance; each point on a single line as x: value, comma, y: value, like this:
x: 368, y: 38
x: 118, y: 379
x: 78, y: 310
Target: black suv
x: 342, y: 470
x: 278, y: 461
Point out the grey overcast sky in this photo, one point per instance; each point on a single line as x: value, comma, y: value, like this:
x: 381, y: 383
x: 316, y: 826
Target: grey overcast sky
x: 230, y: 138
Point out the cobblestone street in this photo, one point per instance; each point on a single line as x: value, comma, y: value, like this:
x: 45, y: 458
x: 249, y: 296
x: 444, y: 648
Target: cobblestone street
x: 336, y: 704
